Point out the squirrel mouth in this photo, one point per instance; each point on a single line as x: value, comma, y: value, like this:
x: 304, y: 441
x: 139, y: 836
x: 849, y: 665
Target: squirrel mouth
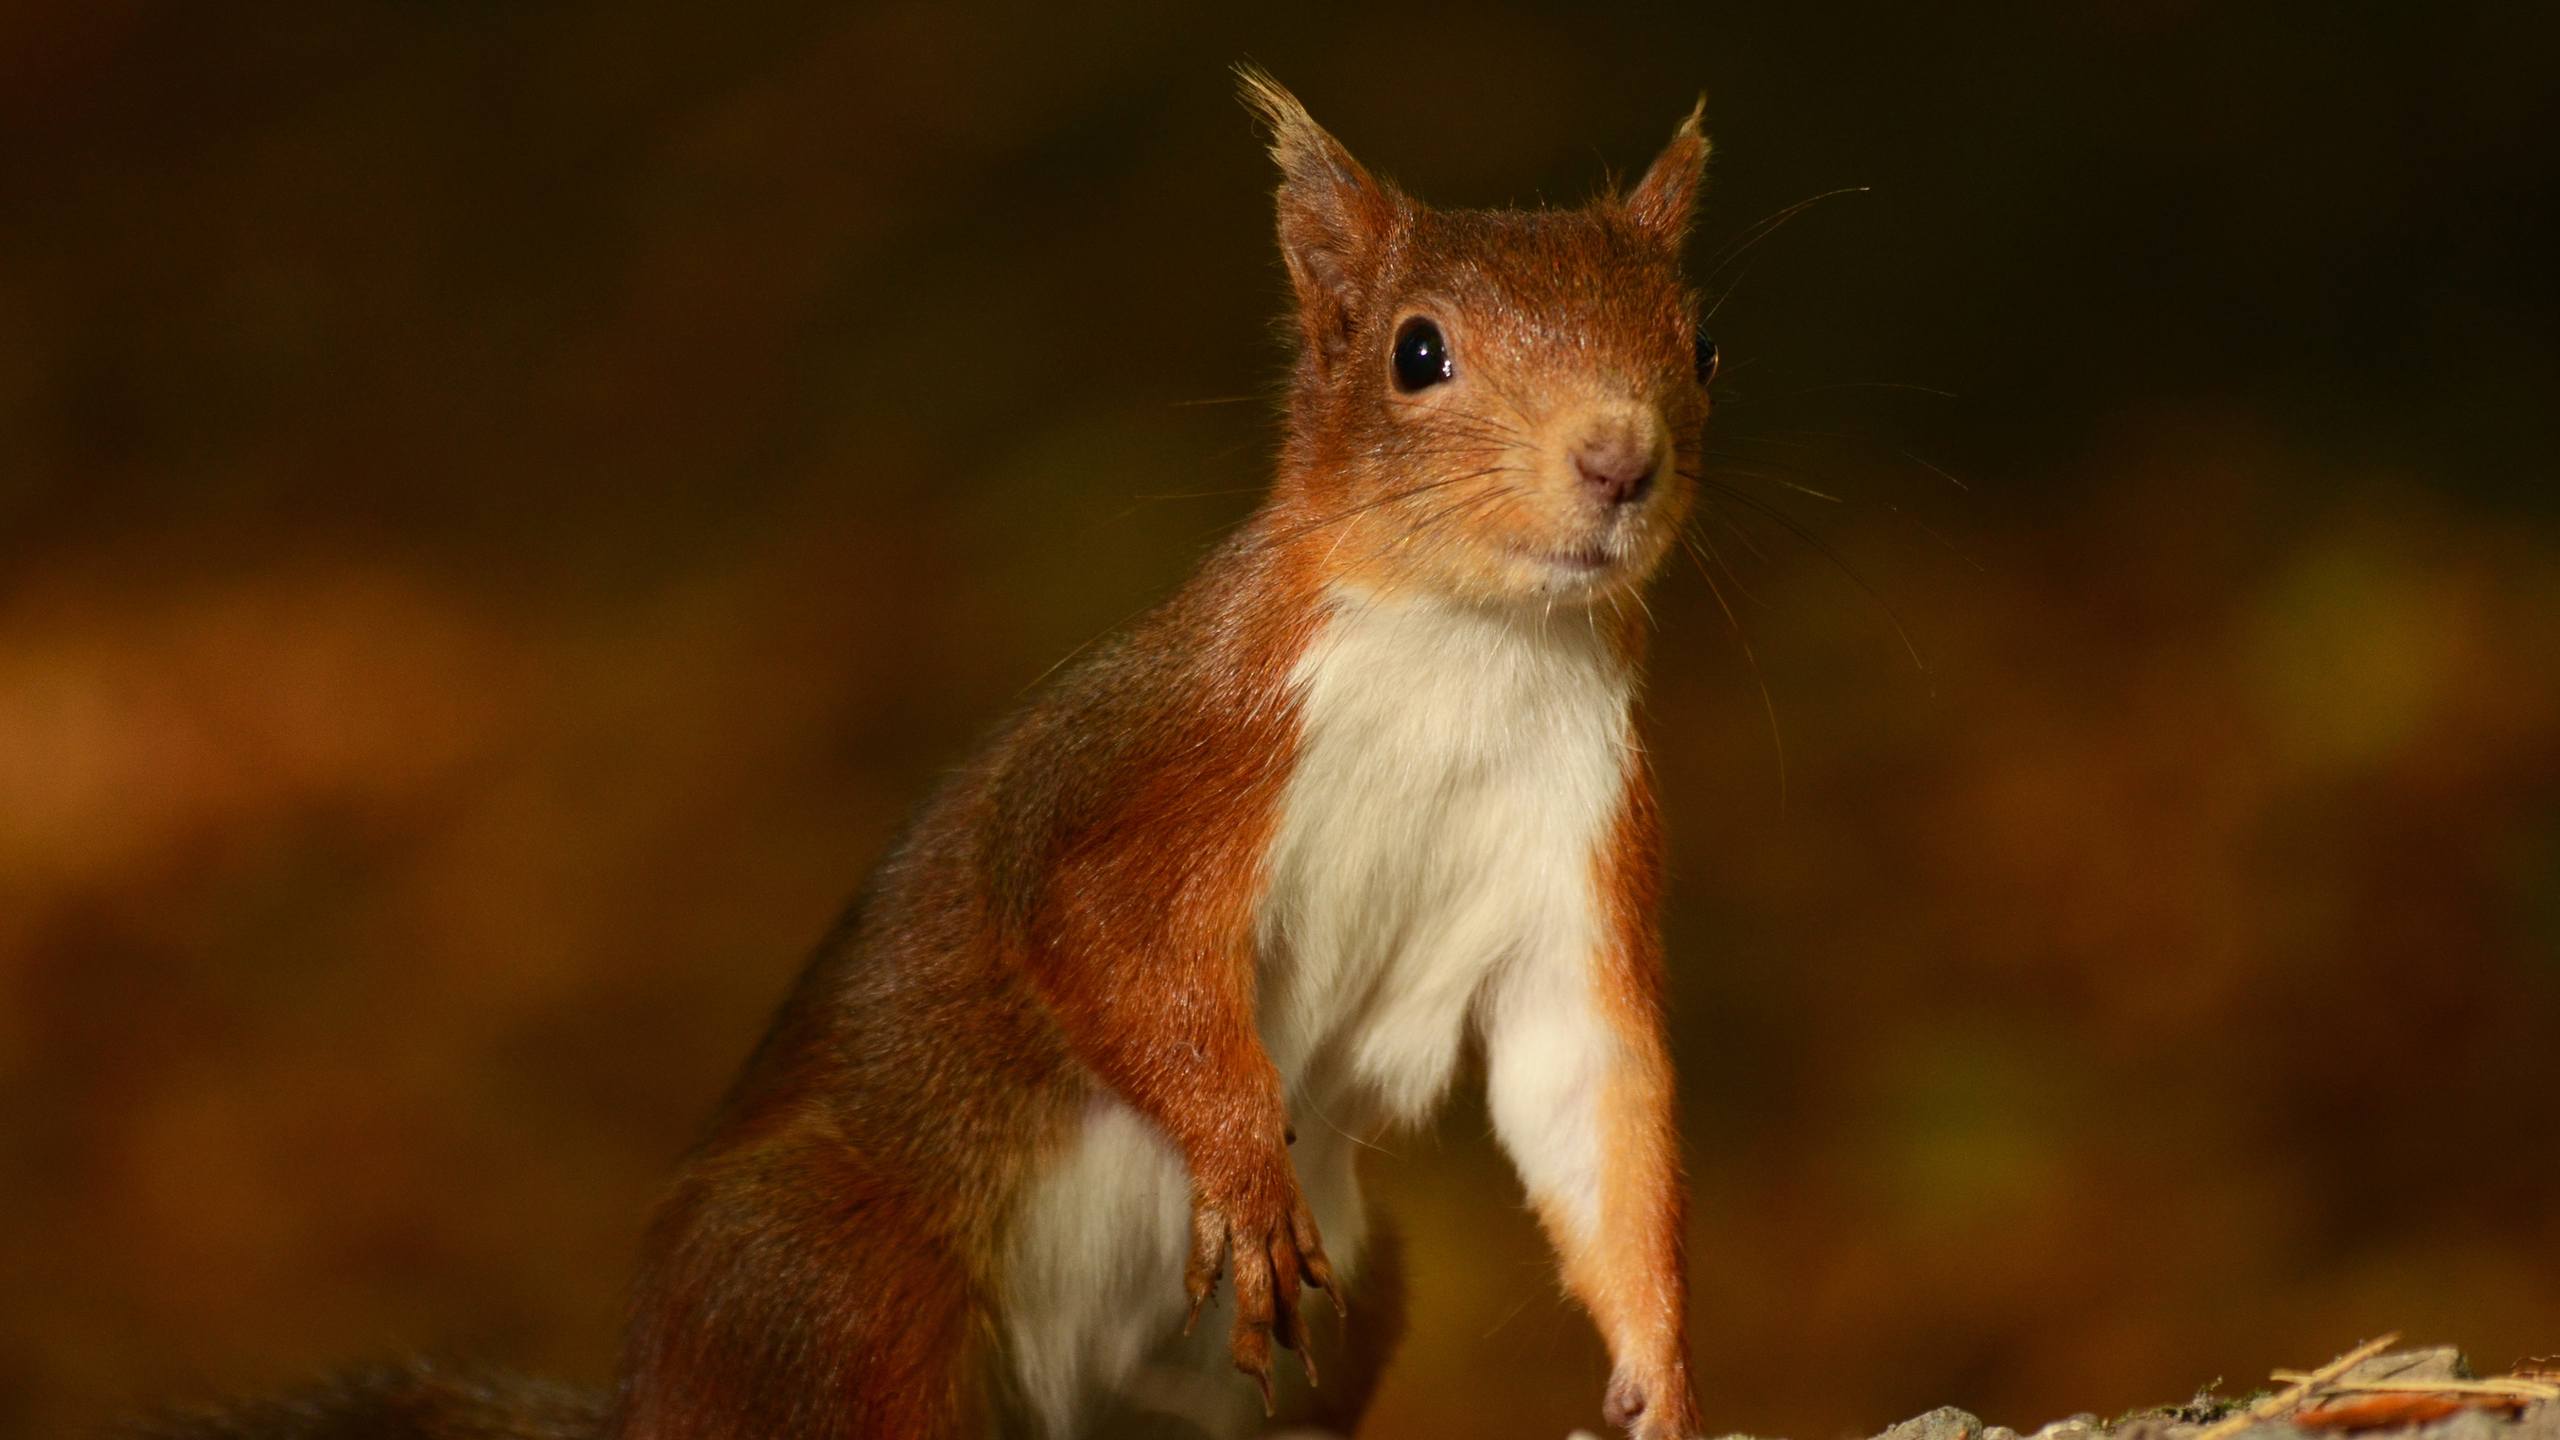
x: 1582, y: 560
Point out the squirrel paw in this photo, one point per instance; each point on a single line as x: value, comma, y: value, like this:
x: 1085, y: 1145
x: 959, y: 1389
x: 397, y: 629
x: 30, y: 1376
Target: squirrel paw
x: 1272, y: 1237
x: 1651, y: 1406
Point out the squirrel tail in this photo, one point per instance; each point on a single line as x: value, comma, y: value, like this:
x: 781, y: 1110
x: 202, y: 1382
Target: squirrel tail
x: 408, y: 1400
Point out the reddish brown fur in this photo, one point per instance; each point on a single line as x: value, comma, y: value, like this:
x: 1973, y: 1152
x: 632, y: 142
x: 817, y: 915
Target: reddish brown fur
x: 1074, y: 912
x: 1635, y: 1281
x: 1073, y: 915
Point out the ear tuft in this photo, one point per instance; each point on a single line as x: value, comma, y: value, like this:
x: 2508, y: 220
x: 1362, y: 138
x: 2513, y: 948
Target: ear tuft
x: 1667, y: 197
x: 1308, y: 158
x: 1334, y: 217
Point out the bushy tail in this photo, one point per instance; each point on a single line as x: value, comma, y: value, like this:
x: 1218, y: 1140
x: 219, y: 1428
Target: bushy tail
x: 413, y: 1400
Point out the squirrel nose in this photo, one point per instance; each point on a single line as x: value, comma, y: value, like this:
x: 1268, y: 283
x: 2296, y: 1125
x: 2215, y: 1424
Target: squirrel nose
x: 1618, y: 468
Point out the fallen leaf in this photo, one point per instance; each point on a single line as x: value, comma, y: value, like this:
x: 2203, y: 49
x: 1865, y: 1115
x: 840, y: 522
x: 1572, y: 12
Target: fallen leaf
x: 2391, y: 1412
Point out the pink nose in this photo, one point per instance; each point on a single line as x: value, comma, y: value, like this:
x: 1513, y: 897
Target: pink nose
x: 1617, y: 468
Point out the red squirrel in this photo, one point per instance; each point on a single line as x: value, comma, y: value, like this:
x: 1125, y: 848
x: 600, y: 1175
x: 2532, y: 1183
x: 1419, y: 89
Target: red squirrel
x: 1053, y: 1134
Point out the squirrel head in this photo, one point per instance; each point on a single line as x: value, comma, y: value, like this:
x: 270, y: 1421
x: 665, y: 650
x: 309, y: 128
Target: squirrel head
x: 1488, y: 405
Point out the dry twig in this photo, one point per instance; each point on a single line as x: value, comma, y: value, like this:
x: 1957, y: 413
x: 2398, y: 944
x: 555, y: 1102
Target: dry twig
x: 2298, y: 1391
x: 2513, y: 1387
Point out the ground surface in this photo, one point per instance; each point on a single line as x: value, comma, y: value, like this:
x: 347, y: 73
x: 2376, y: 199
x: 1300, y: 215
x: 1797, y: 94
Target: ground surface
x: 2372, y: 1392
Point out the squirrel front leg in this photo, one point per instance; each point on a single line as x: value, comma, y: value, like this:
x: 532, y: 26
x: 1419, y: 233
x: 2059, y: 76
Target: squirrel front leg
x: 1157, y: 1000
x: 1580, y: 1085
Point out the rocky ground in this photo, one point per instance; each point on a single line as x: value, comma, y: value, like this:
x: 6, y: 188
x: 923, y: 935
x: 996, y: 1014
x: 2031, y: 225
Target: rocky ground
x: 2373, y: 1392
x: 2370, y: 1393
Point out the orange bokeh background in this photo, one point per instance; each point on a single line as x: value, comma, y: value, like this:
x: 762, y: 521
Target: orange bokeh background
x: 502, y: 509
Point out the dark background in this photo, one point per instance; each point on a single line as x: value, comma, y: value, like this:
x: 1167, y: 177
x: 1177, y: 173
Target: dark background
x: 502, y: 509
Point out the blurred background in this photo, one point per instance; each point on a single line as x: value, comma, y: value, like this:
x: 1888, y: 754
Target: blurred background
x: 503, y: 508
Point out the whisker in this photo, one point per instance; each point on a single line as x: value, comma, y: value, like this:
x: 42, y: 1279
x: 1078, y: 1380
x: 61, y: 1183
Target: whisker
x: 1728, y: 292
x: 1750, y: 545
x: 1819, y: 546
x: 1935, y: 469
x: 1467, y: 505
x: 1758, y: 233
x: 1200, y: 494
x: 1432, y: 519
x: 1767, y: 226
x: 1930, y: 390
x: 1096, y: 638
x: 1944, y: 543
x: 1744, y: 437
x: 1642, y: 604
x: 1336, y: 1128
x: 1480, y: 424
x: 1390, y: 498
x: 1733, y: 622
x: 1888, y: 507
x: 1780, y: 480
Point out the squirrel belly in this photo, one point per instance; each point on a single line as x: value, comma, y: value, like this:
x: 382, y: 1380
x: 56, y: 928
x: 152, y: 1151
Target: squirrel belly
x: 1434, y: 862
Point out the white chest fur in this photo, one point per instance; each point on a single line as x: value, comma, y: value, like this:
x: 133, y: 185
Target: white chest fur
x: 1458, y: 770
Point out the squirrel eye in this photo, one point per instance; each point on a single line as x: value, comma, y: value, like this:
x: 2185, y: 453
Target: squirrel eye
x: 1421, y: 357
x: 1707, y: 356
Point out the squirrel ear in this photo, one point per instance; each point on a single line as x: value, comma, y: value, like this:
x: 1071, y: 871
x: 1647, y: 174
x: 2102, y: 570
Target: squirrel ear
x: 1665, y: 199
x: 1333, y: 216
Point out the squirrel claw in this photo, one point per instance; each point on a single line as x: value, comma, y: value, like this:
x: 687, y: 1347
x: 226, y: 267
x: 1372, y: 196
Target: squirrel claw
x: 1311, y: 1259
x: 1252, y: 1353
x: 1320, y: 1275
x: 1293, y: 1333
x: 1262, y: 1230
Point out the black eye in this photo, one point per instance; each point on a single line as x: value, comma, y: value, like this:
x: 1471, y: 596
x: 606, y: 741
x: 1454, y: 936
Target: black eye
x: 1421, y: 357
x: 1706, y: 356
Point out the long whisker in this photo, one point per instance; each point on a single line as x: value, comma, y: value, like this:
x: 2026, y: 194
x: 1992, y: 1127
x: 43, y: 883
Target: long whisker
x: 1641, y: 604
x: 1751, y: 242
x: 1934, y: 468
x: 1944, y: 543
x: 1392, y: 497
x: 1096, y: 638
x: 1818, y: 545
x: 1200, y: 494
x: 1480, y: 425
x: 1767, y: 437
x: 1750, y: 544
x: 1442, y: 518
x: 1762, y: 229
x: 1727, y: 293
x: 1855, y: 437
x: 1780, y: 480
x: 1438, y: 516
x: 1887, y: 506
x: 1930, y: 390
x: 1733, y: 622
